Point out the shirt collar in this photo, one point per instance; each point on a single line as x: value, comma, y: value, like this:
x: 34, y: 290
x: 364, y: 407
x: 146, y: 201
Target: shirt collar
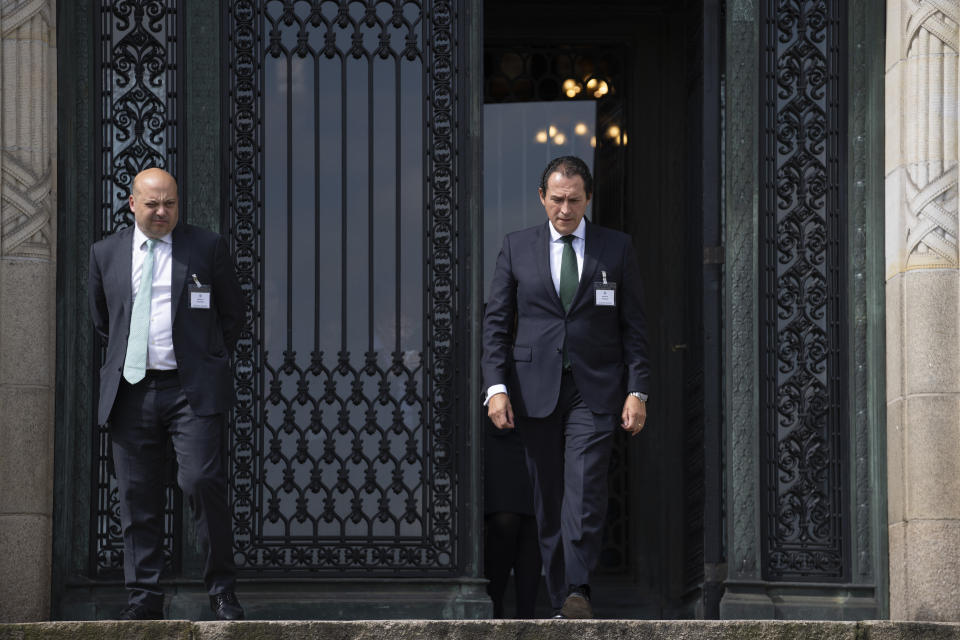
x: 579, y: 232
x: 139, y: 237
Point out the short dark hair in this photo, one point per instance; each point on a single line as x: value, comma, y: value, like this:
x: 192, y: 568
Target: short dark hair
x: 568, y: 166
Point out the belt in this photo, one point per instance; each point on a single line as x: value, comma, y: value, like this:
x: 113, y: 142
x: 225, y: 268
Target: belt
x: 160, y: 374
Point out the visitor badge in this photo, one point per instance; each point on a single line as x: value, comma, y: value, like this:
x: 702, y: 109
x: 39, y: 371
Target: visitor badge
x: 199, y: 294
x: 606, y: 292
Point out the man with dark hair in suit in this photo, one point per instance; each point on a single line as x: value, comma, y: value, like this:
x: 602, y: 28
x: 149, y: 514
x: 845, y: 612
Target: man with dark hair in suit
x: 565, y: 361
x: 165, y: 299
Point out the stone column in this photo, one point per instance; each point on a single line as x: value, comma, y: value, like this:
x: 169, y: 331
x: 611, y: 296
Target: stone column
x: 28, y: 125
x: 923, y: 350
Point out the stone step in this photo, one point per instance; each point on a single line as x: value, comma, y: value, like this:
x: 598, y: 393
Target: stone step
x: 485, y: 630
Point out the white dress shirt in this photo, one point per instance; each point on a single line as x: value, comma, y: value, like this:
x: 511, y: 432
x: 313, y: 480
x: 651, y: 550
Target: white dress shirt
x: 160, y: 339
x: 556, y: 258
x: 556, y: 251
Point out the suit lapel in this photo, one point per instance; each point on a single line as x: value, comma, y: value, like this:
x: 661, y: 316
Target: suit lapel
x: 592, y: 248
x: 543, y: 265
x: 178, y: 271
x: 123, y: 273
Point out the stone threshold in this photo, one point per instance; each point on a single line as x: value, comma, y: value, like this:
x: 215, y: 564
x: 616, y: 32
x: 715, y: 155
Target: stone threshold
x: 485, y: 630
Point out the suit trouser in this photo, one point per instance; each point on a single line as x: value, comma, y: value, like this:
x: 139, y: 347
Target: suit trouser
x: 143, y: 417
x: 568, y: 458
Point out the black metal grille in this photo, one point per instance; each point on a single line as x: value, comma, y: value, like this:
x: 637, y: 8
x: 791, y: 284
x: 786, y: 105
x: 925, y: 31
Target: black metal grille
x: 803, y: 170
x: 137, y: 92
x: 341, y: 124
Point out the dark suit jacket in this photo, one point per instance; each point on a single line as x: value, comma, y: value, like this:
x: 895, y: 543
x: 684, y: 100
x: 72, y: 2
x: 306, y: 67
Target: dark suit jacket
x: 202, y: 338
x: 607, y: 345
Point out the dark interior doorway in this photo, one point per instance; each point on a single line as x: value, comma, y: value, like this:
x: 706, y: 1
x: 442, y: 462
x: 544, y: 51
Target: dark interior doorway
x: 635, y: 88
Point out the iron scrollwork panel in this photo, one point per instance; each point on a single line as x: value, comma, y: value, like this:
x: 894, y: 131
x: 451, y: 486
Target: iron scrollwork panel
x: 342, y: 216
x: 137, y: 89
x: 803, y: 406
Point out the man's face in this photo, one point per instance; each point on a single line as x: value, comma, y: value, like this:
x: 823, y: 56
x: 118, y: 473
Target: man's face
x: 565, y: 202
x: 153, y: 201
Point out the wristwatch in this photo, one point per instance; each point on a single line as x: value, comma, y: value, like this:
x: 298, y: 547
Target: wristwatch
x: 642, y: 397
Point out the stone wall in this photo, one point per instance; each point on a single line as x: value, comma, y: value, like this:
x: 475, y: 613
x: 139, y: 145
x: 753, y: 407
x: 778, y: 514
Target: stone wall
x: 923, y: 350
x: 28, y: 125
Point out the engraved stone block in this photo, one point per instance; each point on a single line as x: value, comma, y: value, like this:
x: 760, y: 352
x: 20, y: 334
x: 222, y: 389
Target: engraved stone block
x: 932, y: 585
x: 931, y: 456
x: 896, y: 474
x: 25, y: 541
x: 931, y: 344
x: 894, y: 336
x: 27, y: 324
x: 26, y: 450
x: 897, y: 533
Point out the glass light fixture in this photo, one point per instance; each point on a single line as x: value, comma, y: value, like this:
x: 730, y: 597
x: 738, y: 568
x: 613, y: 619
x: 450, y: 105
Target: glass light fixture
x: 571, y: 87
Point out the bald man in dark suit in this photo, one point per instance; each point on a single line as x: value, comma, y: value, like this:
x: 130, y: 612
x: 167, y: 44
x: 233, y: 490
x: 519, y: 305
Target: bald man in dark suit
x: 167, y: 374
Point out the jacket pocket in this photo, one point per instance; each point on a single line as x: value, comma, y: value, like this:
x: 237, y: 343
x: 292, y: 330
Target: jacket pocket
x: 522, y: 354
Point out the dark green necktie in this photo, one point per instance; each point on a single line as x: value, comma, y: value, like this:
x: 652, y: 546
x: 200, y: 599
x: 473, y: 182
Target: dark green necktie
x: 569, y: 278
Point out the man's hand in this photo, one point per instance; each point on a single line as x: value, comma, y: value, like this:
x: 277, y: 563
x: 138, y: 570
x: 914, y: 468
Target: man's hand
x: 500, y: 411
x: 634, y: 415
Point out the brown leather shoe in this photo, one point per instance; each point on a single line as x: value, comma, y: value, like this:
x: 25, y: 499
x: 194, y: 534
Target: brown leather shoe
x: 576, y: 607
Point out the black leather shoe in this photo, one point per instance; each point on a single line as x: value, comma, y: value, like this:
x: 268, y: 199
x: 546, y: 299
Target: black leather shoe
x: 226, y: 606
x: 577, y: 605
x: 139, y: 612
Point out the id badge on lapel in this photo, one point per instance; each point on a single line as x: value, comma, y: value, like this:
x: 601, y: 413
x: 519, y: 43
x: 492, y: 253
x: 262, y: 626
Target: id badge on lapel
x: 199, y: 294
x: 606, y: 292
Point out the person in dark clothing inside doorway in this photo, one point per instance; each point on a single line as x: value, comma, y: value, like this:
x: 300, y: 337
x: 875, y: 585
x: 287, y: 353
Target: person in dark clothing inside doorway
x: 509, y: 527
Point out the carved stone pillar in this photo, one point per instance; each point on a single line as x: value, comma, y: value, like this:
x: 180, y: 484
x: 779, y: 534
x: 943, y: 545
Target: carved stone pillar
x: 28, y: 125
x: 923, y: 349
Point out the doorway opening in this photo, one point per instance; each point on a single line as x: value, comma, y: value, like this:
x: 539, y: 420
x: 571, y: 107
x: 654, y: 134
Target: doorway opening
x: 632, y: 88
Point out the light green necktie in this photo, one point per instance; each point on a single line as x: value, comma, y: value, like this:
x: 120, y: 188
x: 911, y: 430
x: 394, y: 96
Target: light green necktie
x: 569, y: 281
x: 135, y: 366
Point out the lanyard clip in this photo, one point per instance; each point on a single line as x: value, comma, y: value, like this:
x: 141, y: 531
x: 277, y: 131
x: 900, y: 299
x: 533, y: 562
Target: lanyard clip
x: 604, y: 274
x: 196, y: 280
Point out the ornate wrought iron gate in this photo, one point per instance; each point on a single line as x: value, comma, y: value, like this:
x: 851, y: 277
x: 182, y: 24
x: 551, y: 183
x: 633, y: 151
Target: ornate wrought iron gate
x: 342, y: 210
x: 802, y: 329
x: 341, y: 127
